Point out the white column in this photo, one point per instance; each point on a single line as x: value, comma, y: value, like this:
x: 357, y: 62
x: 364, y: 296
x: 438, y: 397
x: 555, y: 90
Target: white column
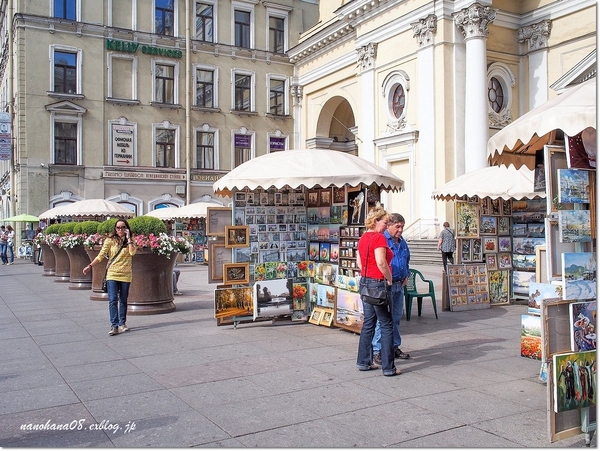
x: 473, y: 22
x: 366, y: 59
x: 296, y: 94
x: 536, y: 36
x: 424, y: 31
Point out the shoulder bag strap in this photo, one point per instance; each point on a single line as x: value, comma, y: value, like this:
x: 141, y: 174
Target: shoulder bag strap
x: 113, y: 259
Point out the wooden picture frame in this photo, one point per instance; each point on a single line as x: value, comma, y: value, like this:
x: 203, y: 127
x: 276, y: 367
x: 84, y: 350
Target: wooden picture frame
x: 327, y: 318
x: 555, y: 158
x: 236, y: 273
x: 490, y: 244
x: 491, y: 261
x: 467, y: 220
x: 488, y: 225
x: 237, y: 236
x: 504, y: 260
x: 316, y: 315
x: 325, y: 197
x: 218, y: 255
x: 339, y: 195
x: 217, y: 218
x: 541, y: 267
x: 312, y: 198
x: 504, y: 225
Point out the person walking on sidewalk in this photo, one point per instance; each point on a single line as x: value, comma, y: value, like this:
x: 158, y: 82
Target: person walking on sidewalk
x: 10, y: 245
x: 400, y: 273
x: 119, y: 248
x: 373, y: 260
x: 3, y: 244
x: 447, y: 244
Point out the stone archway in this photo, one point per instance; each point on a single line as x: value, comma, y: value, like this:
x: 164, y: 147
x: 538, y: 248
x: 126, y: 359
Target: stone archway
x: 336, y: 127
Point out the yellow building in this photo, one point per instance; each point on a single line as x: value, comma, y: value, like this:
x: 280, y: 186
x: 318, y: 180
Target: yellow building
x: 418, y: 87
x: 143, y: 102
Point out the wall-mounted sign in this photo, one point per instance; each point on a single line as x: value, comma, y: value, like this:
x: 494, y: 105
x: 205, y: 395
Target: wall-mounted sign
x: 132, y: 47
x: 142, y: 175
x: 122, y: 144
x: 5, y: 137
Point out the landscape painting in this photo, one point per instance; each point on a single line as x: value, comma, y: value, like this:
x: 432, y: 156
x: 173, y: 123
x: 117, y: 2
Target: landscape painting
x: 579, y: 275
x: 573, y: 186
x: 521, y: 281
x: 540, y: 291
x: 232, y: 303
x: 574, y: 380
x: 273, y: 298
x: 574, y: 226
x: 349, y: 311
x: 583, y: 326
x: 531, y: 337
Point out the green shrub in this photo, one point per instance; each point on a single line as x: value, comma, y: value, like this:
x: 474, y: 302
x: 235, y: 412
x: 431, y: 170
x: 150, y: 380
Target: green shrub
x: 54, y: 228
x: 86, y: 228
x: 66, y: 228
x: 145, y: 225
x: 106, y: 227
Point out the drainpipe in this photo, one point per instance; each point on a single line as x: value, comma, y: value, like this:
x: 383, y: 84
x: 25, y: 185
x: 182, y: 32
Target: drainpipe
x: 11, y: 110
x: 188, y: 74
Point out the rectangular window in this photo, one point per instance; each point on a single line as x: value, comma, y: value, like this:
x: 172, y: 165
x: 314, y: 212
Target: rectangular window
x: 205, y: 88
x: 165, y: 148
x: 65, y: 9
x: 276, y: 34
x: 242, y: 29
x: 165, y: 83
x: 205, y: 150
x: 65, y: 72
x: 277, y: 97
x: 65, y: 143
x: 242, y: 150
x: 242, y: 92
x: 164, y: 17
x: 204, y: 22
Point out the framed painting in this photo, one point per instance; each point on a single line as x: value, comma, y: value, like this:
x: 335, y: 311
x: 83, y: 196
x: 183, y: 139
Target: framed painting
x: 465, y: 251
x: 504, y: 244
x: 490, y: 245
x: 579, y: 275
x: 583, y: 325
x: 555, y: 158
x: 574, y: 384
x: 348, y: 311
x: 325, y: 197
x: 506, y: 207
x: 231, y: 303
x: 499, y: 288
x: 236, y: 273
x: 312, y: 198
x: 554, y: 249
x: 573, y: 186
x: 504, y: 225
x: 237, y: 236
x: 574, y: 226
x: 316, y: 315
x: 476, y: 250
x: 521, y: 281
x: 327, y: 318
x: 491, y: 262
x: 485, y: 206
x: 496, y: 207
x: 217, y: 218
x: 357, y: 206
x: 524, y: 262
x: 467, y: 220
x: 531, y: 337
x: 218, y: 255
x: 504, y: 261
x: 339, y: 195
x: 489, y: 225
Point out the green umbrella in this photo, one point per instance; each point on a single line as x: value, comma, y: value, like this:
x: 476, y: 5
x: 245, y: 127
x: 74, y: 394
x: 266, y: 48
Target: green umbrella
x: 22, y: 218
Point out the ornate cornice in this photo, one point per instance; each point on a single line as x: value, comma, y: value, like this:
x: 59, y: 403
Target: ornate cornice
x: 536, y: 35
x: 366, y: 55
x: 425, y: 29
x: 296, y: 93
x: 474, y: 20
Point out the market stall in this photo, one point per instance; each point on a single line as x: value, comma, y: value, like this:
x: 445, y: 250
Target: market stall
x: 558, y: 139
x: 289, y: 248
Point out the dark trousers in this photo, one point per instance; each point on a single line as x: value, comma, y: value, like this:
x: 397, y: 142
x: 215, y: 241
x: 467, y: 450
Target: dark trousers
x: 447, y: 256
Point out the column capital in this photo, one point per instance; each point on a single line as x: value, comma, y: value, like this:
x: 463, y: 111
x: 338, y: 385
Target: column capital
x: 536, y: 35
x: 474, y: 20
x: 424, y: 30
x: 296, y: 93
x: 366, y: 55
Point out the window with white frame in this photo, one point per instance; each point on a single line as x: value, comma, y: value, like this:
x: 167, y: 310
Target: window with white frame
x: 65, y: 9
x: 277, y: 143
x: 165, y: 146
x: 277, y: 28
x: 277, y: 95
x: 206, y: 140
x: 206, y: 89
x: 395, y: 91
x: 242, y: 27
x: 122, y: 77
x: 166, y: 81
x: 243, y: 92
x: 242, y: 149
x: 66, y: 69
x: 500, y: 81
x: 165, y: 15
x: 205, y: 21
x: 65, y: 142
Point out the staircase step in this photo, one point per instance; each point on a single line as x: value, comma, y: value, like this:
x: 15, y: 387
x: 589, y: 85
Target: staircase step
x: 424, y: 252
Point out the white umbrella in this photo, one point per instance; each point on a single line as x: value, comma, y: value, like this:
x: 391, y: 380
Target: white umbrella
x: 90, y: 207
x: 166, y: 214
x: 306, y: 167
x: 195, y: 210
x: 52, y: 213
x: 494, y: 181
x: 572, y: 112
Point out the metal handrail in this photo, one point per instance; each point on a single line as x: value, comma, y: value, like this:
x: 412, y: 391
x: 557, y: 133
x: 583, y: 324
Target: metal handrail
x: 422, y: 229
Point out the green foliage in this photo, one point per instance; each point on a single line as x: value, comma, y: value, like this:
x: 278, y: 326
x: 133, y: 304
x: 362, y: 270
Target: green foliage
x: 106, y: 227
x: 145, y: 225
x: 66, y: 228
x: 54, y: 228
x: 86, y: 228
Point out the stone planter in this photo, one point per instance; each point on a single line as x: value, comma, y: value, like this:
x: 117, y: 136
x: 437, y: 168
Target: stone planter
x: 48, y: 258
x: 97, y: 275
x: 62, y: 271
x: 151, y: 290
x: 78, y: 259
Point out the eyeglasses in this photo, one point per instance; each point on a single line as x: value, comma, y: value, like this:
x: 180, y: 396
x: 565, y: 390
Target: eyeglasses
x: 121, y: 228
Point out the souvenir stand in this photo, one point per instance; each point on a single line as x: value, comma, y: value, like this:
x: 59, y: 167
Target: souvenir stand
x: 292, y: 238
x: 558, y: 139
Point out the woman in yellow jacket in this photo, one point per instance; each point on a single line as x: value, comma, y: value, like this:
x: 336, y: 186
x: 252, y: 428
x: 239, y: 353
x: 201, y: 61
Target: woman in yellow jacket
x: 119, y: 248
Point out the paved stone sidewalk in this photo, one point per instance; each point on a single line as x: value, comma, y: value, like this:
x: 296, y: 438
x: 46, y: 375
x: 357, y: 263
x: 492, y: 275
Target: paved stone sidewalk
x: 178, y: 380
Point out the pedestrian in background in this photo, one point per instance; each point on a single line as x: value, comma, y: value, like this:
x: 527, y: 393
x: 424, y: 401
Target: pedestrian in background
x: 10, y: 245
x: 120, y: 248
x: 38, y: 260
x: 400, y: 273
x: 373, y: 260
x: 447, y: 244
x: 3, y: 244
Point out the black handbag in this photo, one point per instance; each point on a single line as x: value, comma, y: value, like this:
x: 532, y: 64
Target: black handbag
x: 373, y: 291
x: 104, y: 285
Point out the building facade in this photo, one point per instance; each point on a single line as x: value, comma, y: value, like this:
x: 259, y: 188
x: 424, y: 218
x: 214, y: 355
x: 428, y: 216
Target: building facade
x: 419, y: 87
x: 142, y: 102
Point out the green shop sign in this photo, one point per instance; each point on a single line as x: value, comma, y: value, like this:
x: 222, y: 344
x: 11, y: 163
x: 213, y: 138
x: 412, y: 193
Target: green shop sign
x: 132, y: 47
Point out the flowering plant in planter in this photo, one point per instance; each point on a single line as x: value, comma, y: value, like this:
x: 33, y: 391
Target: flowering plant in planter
x: 75, y: 233
x: 163, y: 244
x: 95, y: 239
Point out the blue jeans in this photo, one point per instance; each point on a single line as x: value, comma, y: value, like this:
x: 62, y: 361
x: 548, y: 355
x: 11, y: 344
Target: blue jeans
x: 397, y: 311
x: 118, y: 292
x: 3, y: 252
x: 10, y: 250
x: 372, y: 315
